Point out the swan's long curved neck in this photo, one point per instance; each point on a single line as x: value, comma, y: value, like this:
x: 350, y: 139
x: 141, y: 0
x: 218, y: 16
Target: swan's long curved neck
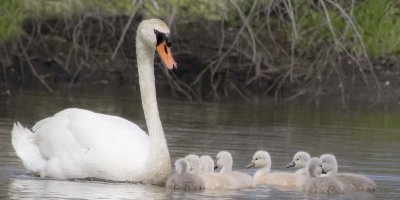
x: 159, y: 155
x: 263, y: 171
x: 333, y: 171
x: 226, y: 168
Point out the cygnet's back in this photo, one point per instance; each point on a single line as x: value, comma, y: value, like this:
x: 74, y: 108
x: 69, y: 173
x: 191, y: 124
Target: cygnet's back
x: 300, y: 160
x: 316, y: 184
x: 262, y: 161
x: 240, y: 179
x: 350, y: 181
x: 183, y: 179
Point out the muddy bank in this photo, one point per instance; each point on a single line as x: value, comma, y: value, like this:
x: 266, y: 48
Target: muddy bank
x: 86, y: 50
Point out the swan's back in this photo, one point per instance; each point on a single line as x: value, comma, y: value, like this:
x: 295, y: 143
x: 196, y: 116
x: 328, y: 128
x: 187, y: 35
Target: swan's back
x: 183, y: 179
x: 325, y: 184
x: 316, y: 184
x: 356, y: 182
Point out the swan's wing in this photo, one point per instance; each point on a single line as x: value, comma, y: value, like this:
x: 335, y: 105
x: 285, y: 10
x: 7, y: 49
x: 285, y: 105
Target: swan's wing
x: 86, y: 141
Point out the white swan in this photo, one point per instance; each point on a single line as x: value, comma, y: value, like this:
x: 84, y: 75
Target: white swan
x: 183, y: 179
x: 225, y: 162
x: 300, y: 160
x: 350, y: 181
x: 262, y: 160
x: 207, y: 163
x: 77, y: 143
x: 317, y: 184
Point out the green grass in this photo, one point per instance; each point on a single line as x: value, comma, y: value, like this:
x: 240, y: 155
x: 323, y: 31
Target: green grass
x: 11, y: 18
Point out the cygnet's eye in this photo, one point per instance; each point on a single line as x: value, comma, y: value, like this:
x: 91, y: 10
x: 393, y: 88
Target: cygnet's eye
x: 297, y: 159
x: 256, y: 159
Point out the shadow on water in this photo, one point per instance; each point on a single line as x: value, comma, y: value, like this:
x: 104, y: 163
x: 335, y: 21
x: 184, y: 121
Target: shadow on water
x: 364, y: 141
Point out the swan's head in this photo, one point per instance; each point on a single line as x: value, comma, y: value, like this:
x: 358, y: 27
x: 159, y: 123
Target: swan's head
x: 314, y: 167
x: 300, y: 160
x: 155, y: 34
x: 194, y: 162
x: 207, y: 163
x: 260, y: 159
x: 224, y: 159
x: 182, y: 166
x: 329, y: 164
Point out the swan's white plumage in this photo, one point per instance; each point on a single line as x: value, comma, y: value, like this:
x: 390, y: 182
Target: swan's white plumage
x: 72, y: 147
x: 77, y: 143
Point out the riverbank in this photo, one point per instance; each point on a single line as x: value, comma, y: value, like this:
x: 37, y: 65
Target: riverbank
x: 243, y: 55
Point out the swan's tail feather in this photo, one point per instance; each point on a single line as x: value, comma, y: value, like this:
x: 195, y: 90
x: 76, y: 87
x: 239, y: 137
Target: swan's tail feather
x: 24, y: 143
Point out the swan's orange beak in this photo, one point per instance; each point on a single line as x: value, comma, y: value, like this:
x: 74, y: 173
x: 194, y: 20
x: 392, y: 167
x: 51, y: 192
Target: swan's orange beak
x: 166, y: 55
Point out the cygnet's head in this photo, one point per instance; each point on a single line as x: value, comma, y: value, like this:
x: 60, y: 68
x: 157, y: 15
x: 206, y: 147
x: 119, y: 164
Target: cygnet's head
x: 260, y: 159
x: 300, y: 160
x: 194, y: 162
x: 207, y: 163
x: 224, y: 160
x: 182, y: 166
x: 329, y: 164
x: 314, y: 167
x: 155, y: 34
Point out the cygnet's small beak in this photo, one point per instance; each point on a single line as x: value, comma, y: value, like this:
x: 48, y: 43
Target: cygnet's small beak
x: 324, y: 172
x: 250, y: 165
x: 291, y: 164
x: 215, y: 167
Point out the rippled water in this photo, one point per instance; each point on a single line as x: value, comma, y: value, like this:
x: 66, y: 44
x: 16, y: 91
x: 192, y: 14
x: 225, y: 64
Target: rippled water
x: 364, y: 141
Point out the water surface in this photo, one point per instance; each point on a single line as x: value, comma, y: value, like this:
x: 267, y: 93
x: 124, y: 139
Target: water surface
x: 365, y: 141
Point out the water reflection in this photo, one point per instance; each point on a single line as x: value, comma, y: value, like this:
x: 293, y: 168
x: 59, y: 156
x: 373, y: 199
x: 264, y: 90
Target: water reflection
x: 364, y: 142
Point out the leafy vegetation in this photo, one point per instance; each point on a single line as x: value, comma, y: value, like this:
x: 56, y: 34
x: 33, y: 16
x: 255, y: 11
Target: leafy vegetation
x: 246, y: 47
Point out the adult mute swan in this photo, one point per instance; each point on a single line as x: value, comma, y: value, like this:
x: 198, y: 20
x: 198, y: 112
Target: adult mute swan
x: 317, y: 184
x: 77, y: 143
x: 183, y: 179
x: 350, y: 181
x: 299, y: 161
x: 262, y: 160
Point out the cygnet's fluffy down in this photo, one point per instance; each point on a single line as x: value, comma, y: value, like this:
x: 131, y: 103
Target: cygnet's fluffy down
x: 183, y: 179
x: 262, y: 160
x: 212, y: 180
x: 316, y: 184
x: 206, y: 163
x: 350, y: 181
x: 300, y: 160
x: 240, y: 179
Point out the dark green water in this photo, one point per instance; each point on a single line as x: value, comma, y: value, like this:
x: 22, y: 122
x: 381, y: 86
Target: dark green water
x: 364, y: 141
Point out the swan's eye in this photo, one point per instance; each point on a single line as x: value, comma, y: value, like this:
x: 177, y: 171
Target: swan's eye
x: 297, y: 159
x: 256, y: 159
x: 163, y: 37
